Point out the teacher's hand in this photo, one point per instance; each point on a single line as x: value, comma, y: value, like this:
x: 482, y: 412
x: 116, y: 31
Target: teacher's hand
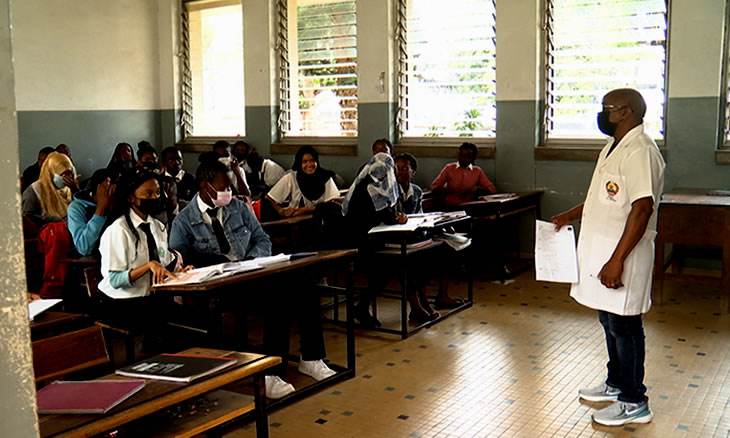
x: 610, y: 274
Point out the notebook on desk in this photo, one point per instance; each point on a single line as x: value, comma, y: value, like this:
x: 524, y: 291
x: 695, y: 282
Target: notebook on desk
x: 85, y: 397
x: 177, y: 367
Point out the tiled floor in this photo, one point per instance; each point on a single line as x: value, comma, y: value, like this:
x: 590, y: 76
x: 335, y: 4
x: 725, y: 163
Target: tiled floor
x: 511, y: 366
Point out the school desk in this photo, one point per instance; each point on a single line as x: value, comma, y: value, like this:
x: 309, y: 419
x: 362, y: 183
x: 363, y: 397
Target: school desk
x: 698, y: 217
x: 50, y: 323
x: 492, y: 215
x: 158, y: 395
x: 256, y: 281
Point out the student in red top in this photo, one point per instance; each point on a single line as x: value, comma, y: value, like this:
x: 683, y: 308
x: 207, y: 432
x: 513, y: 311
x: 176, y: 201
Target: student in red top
x: 460, y: 181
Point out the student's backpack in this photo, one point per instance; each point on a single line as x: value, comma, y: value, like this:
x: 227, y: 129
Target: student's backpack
x: 54, y: 240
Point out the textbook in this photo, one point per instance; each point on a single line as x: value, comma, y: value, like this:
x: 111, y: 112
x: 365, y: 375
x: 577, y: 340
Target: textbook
x: 177, y: 367
x: 85, y: 397
x: 212, y: 272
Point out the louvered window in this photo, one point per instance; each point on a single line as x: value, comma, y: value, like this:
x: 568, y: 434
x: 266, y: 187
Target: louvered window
x: 595, y: 46
x: 213, y: 95
x: 318, y: 68
x: 447, y: 76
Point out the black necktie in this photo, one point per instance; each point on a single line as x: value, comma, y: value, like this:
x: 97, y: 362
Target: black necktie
x: 613, y: 146
x: 151, y: 245
x: 220, y: 235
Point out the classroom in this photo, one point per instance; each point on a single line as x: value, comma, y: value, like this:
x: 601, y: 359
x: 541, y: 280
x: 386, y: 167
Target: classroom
x: 146, y: 141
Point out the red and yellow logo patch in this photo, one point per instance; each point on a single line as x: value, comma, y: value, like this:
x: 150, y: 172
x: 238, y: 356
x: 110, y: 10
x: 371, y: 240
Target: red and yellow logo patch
x: 612, y: 188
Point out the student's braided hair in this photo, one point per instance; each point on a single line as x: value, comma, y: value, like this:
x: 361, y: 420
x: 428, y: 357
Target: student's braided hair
x: 128, y: 183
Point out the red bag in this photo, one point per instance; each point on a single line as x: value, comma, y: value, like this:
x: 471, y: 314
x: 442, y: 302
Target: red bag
x: 54, y: 240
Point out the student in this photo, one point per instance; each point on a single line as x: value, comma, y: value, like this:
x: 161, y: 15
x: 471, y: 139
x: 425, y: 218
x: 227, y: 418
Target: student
x: 308, y: 184
x: 134, y: 252
x: 371, y: 200
x: 47, y: 199
x: 460, y: 181
x: 411, y: 195
x: 172, y: 162
x: 88, y: 211
x: 122, y: 160
x: 32, y: 172
x: 381, y: 145
x: 235, y: 172
x: 216, y: 227
x: 266, y: 173
x: 64, y: 149
x: 146, y: 156
x: 241, y: 150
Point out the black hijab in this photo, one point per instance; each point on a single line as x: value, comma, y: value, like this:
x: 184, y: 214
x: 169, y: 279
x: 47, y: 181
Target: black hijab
x: 312, y: 186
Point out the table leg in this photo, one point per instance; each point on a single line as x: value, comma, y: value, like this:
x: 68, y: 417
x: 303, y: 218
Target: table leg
x: 350, y: 308
x: 259, y: 396
x: 404, y: 292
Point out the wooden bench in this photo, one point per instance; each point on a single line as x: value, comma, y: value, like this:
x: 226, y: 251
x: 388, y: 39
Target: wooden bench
x: 67, y: 353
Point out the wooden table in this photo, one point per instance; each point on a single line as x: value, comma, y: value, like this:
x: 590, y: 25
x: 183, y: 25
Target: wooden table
x: 693, y: 217
x: 496, y: 210
x: 49, y: 323
x: 284, y: 232
x: 158, y: 395
x: 323, y: 259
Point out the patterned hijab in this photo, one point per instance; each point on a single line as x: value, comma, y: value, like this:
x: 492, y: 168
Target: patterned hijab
x: 383, y: 189
x: 54, y: 202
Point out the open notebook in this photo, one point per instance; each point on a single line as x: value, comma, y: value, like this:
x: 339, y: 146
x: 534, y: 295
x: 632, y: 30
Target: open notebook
x: 222, y: 270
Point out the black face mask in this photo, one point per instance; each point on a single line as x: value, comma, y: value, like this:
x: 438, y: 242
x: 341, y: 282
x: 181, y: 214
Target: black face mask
x: 149, y: 165
x: 151, y: 207
x: 607, y: 127
x: 240, y: 156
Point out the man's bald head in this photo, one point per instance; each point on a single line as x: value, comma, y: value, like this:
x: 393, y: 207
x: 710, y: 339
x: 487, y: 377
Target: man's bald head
x: 630, y: 97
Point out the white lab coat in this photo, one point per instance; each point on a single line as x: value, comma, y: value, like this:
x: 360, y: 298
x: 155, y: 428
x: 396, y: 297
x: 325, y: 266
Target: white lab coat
x: 634, y: 170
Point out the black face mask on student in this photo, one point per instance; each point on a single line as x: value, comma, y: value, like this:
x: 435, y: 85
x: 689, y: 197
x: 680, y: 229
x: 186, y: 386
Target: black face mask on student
x: 606, y: 126
x: 151, y: 207
x: 151, y: 165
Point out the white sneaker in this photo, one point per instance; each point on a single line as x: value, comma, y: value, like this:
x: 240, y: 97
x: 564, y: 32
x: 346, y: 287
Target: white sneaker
x: 277, y: 388
x: 316, y: 369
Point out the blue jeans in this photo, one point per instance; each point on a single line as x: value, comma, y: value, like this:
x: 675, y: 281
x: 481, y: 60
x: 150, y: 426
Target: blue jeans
x: 625, y: 342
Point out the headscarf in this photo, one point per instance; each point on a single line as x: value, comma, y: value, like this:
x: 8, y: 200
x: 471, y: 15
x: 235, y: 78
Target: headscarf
x: 383, y: 189
x: 54, y: 202
x: 312, y: 186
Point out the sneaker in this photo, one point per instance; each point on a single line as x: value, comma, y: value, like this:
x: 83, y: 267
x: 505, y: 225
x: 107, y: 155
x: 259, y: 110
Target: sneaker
x: 277, y: 388
x: 316, y: 369
x: 620, y: 413
x: 602, y: 392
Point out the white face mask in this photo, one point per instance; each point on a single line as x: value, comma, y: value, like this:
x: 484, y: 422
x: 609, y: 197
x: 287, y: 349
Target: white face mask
x: 226, y: 161
x: 58, y: 181
x: 221, y: 198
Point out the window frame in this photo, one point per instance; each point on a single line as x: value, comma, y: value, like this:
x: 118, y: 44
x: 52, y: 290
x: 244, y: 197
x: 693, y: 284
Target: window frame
x: 585, y: 148
x: 441, y: 146
x: 190, y: 142
x: 286, y: 144
x: 724, y: 113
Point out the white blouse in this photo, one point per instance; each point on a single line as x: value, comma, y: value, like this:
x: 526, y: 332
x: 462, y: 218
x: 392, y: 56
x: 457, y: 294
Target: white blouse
x: 287, y: 191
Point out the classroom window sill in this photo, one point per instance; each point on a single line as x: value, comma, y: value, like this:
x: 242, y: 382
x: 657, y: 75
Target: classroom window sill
x: 203, y: 144
x: 324, y: 145
x: 722, y: 156
x: 577, y: 150
x: 444, y: 147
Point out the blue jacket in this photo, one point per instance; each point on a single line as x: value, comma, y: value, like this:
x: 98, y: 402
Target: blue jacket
x: 192, y: 237
x: 85, y: 227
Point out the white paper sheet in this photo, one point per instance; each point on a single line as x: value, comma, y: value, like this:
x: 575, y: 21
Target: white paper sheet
x: 556, y: 259
x: 37, y: 307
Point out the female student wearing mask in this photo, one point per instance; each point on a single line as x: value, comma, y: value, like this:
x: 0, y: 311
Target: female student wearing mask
x: 215, y: 227
x: 122, y: 160
x: 134, y: 252
x: 47, y: 199
x: 308, y: 184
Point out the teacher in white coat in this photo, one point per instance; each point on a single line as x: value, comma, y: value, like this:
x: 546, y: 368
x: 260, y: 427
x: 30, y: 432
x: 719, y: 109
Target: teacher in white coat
x: 616, y: 252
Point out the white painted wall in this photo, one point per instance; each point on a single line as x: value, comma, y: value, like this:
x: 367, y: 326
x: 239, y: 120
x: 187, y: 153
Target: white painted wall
x: 90, y: 54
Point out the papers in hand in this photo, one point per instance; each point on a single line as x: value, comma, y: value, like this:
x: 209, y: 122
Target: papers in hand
x: 555, y: 254
x: 221, y: 270
x: 422, y: 220
x: 37, y: 307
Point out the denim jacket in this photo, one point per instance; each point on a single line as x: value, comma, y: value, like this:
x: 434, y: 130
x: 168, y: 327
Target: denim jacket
x: 191, y: 236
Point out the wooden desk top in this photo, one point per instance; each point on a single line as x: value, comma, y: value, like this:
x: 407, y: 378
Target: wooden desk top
x: 48, y: 323
x: 704, y: 197
x: 155, y: 396
x: 82, y: 260
x: 286, y: 221
x: 321, y: 257
x: 503, y: 198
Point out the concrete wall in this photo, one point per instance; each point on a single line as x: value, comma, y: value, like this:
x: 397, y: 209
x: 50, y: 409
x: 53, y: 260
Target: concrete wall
x: 17, y: 402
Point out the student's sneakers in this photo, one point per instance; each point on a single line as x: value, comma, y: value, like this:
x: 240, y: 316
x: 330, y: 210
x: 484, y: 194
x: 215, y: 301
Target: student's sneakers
x: 316, y: 369
x: 600, y: 393
x: 620, y: 413
x: 277, y: 388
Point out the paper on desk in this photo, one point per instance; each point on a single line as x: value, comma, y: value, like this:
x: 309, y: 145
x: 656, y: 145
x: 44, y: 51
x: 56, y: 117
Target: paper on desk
x: 39, y: 306
x: 420, y: 220
x: 555, y: 254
